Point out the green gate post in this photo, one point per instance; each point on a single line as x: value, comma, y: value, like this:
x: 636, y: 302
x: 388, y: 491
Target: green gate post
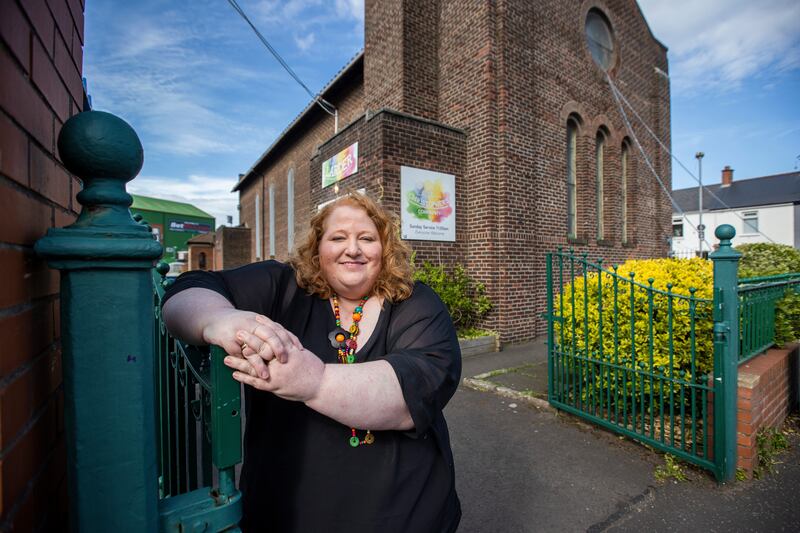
x: 107, y: 341
x: 726, y: 352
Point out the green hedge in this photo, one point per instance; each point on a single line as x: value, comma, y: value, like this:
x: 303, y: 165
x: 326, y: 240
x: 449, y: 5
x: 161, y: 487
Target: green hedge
x: 766, y: 259
x: 465, y: 299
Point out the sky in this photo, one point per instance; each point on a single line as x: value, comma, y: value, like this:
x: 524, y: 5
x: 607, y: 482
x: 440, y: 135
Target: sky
x: 207, y: 98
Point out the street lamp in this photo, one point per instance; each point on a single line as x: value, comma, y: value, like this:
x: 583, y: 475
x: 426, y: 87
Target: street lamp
x: 700, y: 227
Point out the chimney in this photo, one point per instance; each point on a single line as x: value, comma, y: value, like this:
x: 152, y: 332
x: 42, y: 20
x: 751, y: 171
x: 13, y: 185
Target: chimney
x: 727, y: 176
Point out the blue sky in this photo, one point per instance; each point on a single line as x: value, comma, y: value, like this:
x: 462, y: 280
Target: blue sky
x: 206, y: 97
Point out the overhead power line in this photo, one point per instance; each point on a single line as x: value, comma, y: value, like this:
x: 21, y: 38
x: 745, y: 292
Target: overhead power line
x: 618, y: 95
x: 327, y: 106
x: 628, y: 126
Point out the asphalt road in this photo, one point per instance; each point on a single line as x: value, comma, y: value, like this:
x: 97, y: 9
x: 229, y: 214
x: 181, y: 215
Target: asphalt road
x: 524, y: 469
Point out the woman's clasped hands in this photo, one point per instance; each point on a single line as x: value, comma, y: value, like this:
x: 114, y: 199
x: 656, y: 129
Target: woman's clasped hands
x: 273, y: 359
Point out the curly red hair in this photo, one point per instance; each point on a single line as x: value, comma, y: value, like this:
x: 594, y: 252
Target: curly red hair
x: 395, y: 281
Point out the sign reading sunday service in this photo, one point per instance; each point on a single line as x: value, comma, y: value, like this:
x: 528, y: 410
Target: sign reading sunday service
x: 338, y: 167
x: 428, y: 205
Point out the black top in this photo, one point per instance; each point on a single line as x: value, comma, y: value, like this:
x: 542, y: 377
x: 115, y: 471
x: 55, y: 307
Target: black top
x: 300, y: 473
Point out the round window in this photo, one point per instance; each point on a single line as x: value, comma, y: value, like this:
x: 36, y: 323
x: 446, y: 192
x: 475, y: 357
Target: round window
x: 599, y: 39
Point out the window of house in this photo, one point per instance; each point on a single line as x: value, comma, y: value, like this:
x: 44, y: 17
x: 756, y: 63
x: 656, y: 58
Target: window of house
x: 272, y: 221
x: 624, y: 190
x: 599, y: 39
x: 290, y: 210
x: 750, y: 219
x: 600, y: 148
x: 677, y: 227
x: 259, y: 244
x: 572, y: 196
x: 202, y: 261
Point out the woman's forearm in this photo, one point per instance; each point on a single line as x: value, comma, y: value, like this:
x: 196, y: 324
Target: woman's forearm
x: 188, y: 313
x: 364, y: 395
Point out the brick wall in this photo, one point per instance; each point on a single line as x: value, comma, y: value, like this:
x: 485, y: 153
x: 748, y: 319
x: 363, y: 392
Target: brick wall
x: 767, y: 393
x: 388, y: 140
x: 195, y: 251
x: 41, y: 59
x: 232, y: 247
x: 505, y: 76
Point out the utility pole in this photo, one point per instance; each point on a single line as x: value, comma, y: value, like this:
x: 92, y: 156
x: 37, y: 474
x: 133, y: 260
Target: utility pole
x: 701, y: 233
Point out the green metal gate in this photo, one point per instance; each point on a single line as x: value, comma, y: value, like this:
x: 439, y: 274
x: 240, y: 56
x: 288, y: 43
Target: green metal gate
x: 199, y: 422
x: 611, y: 362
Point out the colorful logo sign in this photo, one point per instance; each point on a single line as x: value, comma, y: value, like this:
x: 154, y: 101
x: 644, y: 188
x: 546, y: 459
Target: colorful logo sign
x: 429, y: 201
x: 428, y: 205
x: 338, y: 167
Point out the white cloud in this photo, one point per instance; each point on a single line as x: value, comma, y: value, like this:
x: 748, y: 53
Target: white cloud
x: 718, y: 43
x: 167, y: 83
x: 209, y: 193
x: 304, y: 43
x: 350, y: 9
x: 305, y: 14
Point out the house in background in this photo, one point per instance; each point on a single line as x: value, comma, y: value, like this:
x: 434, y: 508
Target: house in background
x: 173, y: 223
x: 201, y: 252
x: 765, y: 209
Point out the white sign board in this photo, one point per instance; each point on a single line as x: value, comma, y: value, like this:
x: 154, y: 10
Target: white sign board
x: 427, y: 205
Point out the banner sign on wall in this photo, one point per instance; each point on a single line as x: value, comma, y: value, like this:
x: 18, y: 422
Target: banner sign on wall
x: 338, y: 167
x: 175, y: 225
x: 428, y: 205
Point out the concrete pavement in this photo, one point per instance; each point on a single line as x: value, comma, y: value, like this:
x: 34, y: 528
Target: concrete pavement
x: 523, y: 468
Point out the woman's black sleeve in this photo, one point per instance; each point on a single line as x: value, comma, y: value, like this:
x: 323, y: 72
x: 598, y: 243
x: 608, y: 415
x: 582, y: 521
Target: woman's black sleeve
x: 251, y: 287
x: 424, y: 352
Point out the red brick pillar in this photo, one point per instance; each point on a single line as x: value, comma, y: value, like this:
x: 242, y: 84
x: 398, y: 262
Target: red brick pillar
x: 40, y: 88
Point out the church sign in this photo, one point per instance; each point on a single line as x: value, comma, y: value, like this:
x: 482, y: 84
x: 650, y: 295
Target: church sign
x: 428, y: 205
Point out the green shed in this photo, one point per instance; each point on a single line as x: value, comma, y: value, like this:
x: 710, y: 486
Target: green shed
x: 173, y: 223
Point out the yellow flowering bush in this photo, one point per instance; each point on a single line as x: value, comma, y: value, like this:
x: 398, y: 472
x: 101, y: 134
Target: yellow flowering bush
x: 597, y: 323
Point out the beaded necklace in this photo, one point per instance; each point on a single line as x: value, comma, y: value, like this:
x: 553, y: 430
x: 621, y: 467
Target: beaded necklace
x: 346, y: 343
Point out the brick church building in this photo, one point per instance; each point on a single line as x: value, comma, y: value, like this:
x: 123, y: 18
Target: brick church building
x: 509, y: 101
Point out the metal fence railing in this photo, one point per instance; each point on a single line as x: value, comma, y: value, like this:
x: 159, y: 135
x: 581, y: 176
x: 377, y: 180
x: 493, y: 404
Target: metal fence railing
x: 199, y: 420
x: 612, y: 362
x: 758, y: 300
x: 669, y: 382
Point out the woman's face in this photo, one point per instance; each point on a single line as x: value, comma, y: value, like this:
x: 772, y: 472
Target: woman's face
x: 350, y: 251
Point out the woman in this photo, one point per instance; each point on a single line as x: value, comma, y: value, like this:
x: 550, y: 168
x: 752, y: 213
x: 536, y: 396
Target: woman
x: 348, y: 365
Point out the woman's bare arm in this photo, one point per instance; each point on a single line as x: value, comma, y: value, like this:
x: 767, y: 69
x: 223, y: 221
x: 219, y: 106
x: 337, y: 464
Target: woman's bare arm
x: 202, y: 316
x: 365, y: 395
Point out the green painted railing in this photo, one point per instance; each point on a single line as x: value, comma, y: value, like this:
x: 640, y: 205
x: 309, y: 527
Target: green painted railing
x: 198, y: 407
x: 657, y: 381
x: 614, y: 364
x: 758, y: 299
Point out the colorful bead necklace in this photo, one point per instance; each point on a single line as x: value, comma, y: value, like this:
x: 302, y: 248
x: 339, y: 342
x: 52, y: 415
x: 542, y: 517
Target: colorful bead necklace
x: 346, y: 342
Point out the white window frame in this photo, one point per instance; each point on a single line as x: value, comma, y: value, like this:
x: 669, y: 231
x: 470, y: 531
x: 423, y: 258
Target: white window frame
x: 624, y: 186
x: 290, y: 210
x: 572, y: 182
x: 747, y: 227
x: 259, y: 248
x: 600, y: 149
x: 272, y: 221
x: 676, y: 221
